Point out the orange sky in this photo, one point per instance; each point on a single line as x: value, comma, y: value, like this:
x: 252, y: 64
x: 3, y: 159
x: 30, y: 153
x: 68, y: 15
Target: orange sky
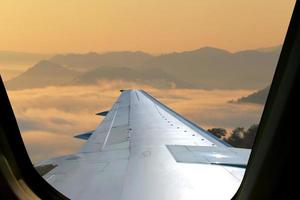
x: 156, y: 26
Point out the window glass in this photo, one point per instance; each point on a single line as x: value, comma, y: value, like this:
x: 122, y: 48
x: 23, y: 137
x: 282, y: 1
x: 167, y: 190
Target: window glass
x: 210, y: 61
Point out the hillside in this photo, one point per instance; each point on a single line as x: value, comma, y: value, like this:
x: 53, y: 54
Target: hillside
x: 85, y: 62
x: 204, y: 68
x: 213, y: 68
x: 45, y: 73
x: 258, y: 97
x: 156, y: 78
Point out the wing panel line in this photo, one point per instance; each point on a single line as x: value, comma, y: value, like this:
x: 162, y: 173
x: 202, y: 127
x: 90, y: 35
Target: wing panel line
x: 187, y: 122
x: 110, y: 127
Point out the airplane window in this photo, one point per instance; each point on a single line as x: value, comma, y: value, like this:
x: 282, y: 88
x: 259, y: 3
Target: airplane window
x: 135, y: 99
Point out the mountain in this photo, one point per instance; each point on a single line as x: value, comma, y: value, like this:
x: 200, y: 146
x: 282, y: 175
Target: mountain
x: 270, y: 49
x: 45, y: 73
x: 258, y: 97
x: 213, y: 68
x: 205, y: 68
x: 156, y: 78
x: 85, y: 62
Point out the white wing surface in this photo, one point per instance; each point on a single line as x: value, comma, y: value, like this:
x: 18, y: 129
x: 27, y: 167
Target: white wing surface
x: 143, y: 150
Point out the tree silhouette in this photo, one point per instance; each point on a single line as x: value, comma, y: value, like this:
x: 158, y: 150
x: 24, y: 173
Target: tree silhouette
x: 249, y: 136
x: 241, y: 138
x: 236, y: 138
x: 219, y: 132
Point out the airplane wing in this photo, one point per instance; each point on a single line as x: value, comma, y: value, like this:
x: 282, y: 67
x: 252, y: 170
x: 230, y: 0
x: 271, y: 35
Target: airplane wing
x: 144, y: 150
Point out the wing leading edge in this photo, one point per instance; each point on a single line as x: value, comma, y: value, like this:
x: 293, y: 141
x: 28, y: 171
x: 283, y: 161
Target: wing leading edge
x: 144, y: 150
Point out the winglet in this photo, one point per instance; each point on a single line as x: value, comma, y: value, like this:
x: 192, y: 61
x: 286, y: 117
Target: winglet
x: 84, y: 136
x: 104, y: 113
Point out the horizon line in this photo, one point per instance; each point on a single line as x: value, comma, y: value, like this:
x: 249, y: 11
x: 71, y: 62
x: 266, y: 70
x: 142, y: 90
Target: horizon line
x: 135, y: 51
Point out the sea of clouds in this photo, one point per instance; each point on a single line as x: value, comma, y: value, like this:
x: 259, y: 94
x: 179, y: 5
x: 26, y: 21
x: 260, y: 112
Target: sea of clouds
x: 49, y: 117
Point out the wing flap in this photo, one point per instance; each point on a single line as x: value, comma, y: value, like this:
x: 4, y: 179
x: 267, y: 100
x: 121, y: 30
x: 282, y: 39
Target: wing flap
x: 234, y: 157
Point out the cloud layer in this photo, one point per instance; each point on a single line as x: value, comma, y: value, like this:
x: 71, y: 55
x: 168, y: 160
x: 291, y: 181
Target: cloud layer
x: 50, y: 117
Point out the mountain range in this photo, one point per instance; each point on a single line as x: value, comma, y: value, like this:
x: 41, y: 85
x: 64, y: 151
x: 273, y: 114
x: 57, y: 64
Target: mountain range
x: 205, y: 68
x: 44, y: 73
x: 258, y: 97
x: 85, y: 62
x: 212, y: 68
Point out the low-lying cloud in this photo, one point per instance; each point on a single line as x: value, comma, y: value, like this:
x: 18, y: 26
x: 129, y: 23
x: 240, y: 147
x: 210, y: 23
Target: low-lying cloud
x: 49, y: 118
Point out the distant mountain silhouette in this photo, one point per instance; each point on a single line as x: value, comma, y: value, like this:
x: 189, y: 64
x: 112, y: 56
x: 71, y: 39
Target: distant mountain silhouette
x: 205, y: 68
x: 85, y: 62
x: 258, y: 97
x: 213, y: 68
x: 45, y: 73
x: 156, y: 78
x: 270, y: 49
